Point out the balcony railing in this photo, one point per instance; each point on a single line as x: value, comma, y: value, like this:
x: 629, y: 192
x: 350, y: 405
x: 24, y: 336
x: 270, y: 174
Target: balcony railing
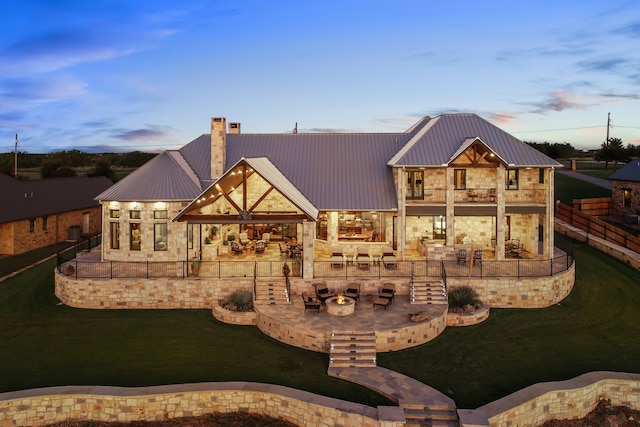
x: 322, y: 269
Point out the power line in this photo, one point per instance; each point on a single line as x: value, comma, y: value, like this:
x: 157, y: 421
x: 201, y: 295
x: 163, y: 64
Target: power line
x: 554, y: 130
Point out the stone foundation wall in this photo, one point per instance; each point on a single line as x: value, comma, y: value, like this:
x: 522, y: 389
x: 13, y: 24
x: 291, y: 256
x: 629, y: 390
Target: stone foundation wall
x: 514, y: 292
x: 40, y: 407
x: 570, y: 399
x: 468, y: 319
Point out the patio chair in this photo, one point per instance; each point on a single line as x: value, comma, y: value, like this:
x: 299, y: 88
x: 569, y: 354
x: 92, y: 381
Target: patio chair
x: 363, y: 259
x: 353, y: 291
x: 310, y: 303
x: 388, y: 258
x: 237, y: 248
x: 462, y: 256
x: 322, y: 292
x: 477, y: 256
x: 267, y: 238
x: 244, y: 238
x: 284, y: 252
x: 337, y: 257
x: 516, y: 250
x: 260, y: 245
x: 388, y: 291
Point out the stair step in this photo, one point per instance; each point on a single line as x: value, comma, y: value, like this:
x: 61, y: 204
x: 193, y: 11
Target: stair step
x: 352, y: 364
x: 430, y: 414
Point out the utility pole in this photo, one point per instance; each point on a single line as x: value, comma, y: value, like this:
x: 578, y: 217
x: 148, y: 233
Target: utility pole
x: 15, y: 159
x: 608, y: 126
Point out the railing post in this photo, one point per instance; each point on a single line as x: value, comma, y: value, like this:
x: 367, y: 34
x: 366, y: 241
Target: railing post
x: 147, y: 269
x: 110, y: 269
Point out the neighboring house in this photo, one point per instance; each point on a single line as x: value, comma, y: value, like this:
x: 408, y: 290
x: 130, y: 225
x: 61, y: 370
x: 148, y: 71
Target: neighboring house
x: 450, y: 179
x: 625, y: 190
x: 38, y: 213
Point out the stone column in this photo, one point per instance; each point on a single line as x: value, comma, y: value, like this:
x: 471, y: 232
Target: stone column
x: 500, y: 212
x: 450, y: 207
x: 308, y: 243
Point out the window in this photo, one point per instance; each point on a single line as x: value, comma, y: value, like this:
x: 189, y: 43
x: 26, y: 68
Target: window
x: 134, y: 214
x: 190, y: 235
x: 160, y: 237
x: 541, y: 176
x: 626, y: 194
x: 460, y: 179
x: 160, y: 214
x: 512, y: 179
x: 44, y: 222
x: 414, y: 184
x: 32, y: 225
x: 135, y: 236
x: 439, y: 227
x: 361, y: 226
x: 114, y: 213
x: 115, y: 235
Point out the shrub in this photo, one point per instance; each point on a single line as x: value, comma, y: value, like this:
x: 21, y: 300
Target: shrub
x: 463, y: 295
x: 242, y: 300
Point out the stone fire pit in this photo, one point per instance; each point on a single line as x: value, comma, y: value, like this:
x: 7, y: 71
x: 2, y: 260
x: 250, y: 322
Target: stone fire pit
x: 340, y: 305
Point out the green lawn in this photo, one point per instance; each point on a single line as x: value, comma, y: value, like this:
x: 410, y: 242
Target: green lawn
x: 568, y: 188
x: 45, y: 344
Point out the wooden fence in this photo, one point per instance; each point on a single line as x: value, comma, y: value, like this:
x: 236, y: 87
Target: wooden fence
x: 599, y: 206
x: 597, y: 227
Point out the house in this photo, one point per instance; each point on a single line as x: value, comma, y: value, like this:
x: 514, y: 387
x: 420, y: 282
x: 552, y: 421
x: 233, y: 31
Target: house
x: 625, y: 190
x: 447, y: 181
x: 38, y: 213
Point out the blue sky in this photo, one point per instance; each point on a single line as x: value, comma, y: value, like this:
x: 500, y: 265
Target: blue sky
x: 149, y: 74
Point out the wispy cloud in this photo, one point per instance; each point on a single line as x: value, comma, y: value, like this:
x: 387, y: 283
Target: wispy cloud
x: 611, y: 64
x: 559, y: 101
x: 148, y: 134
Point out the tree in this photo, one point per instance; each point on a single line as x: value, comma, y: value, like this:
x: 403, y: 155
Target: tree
x: 612, y: 151
x: 63, y: 171
x: 103, y: 168
x: 555, y: 150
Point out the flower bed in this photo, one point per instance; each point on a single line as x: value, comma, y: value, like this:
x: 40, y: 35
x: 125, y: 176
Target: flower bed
x: 468, y: 318
x: 234, y: 317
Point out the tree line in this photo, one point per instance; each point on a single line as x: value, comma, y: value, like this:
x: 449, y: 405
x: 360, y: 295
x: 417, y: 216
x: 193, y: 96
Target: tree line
x: 612, y: 150
x: 64, y: 163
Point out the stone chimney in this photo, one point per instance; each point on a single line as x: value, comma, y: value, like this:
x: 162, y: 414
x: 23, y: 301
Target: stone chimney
x: 218, y: 146
x: 234, y: 128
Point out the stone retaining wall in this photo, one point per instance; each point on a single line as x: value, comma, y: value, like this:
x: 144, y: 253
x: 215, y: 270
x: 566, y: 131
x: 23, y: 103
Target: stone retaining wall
x: 570, y: 399
x: 248, y: 318
x: 514, y: 292
x: 468, y: 319
x: 39, y: 407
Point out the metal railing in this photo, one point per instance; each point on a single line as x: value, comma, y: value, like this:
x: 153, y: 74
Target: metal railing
x: 438, y: 268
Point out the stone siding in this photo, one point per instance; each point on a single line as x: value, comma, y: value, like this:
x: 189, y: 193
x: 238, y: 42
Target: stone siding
x: 570, y: 399
x: 617, y: 197
x: 40, y: 407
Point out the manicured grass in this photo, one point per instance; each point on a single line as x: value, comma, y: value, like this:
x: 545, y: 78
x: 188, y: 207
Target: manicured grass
x: 568, y: 188
x: 9, y: 264
x: 604, y: 174
x: 46, y: 344
x: 595, y: 328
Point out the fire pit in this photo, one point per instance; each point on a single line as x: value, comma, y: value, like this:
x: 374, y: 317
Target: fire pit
x: 340, y: 305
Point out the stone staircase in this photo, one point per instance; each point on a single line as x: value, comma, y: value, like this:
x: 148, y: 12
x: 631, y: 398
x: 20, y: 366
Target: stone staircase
x: 428, y: 293
x: 272, y: 292
x: 418, y: 414
x: 352, y: 349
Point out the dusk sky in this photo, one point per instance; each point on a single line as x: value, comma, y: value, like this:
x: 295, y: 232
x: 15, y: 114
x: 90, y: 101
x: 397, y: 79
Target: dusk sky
x: 148, y: 75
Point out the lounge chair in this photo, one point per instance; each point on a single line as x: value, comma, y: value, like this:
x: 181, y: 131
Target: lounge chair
x: 388, y: 291
x: 284, y: 252
x: 388, y: 258
x: 236, y: 247
x: 363, y: 259
x: 310, y: 303
x: 477, y: 256
x: 244, y: 238
x: 267, y: 238
x: 322, y: 292
x: 353, y: 291
x: 337, y: 257
x: 260, y: 245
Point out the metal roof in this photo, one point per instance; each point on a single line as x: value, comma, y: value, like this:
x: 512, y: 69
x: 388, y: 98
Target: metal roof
x: 436, y: 143
x: 167, y: 176
x: 42, y: 197
x: 629, y: 172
